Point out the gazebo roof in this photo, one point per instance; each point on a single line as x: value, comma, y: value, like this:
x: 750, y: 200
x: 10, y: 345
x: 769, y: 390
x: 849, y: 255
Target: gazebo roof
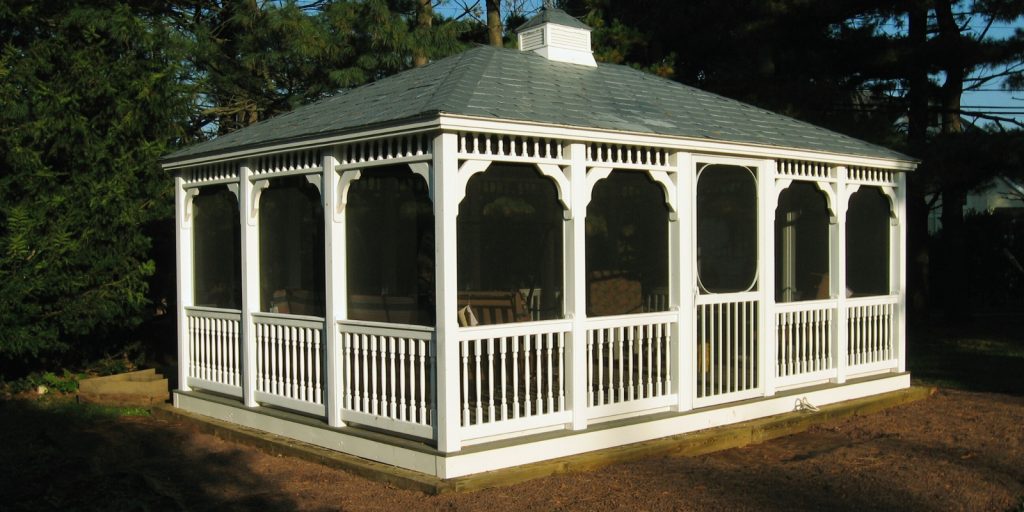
x: 507, y: 84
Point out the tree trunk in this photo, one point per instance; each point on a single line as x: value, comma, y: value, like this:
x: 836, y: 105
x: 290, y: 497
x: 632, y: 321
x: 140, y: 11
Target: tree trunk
x: 494, y: 32
x: 954, y: 272
x: 917, y: 205
x: 424, y: 20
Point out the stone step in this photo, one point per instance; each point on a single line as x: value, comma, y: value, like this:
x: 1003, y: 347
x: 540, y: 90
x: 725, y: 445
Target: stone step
x: 143, y: 388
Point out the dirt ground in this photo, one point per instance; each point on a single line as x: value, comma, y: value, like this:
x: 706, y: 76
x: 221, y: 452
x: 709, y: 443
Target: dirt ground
x: 953, y: 451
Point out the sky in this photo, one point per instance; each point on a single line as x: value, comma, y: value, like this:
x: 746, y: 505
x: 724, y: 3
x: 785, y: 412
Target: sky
x: 991, y: 99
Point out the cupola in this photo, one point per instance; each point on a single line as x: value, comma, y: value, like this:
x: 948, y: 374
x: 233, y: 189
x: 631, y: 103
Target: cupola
x: 556, y: 36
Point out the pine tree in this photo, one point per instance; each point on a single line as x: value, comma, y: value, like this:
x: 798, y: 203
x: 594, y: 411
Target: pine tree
x: 89, y: 99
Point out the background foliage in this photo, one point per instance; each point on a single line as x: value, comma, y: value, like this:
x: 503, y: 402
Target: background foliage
x: 92, y: 92
x: 88, y: 101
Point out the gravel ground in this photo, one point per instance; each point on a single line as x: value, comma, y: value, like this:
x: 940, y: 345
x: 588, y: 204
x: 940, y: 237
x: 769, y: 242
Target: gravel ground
x: 953, y: 451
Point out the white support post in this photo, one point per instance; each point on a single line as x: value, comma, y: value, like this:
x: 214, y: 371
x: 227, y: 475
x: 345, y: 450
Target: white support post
x: 840, y: 330
x: 335, y: 276
x: 576, y: 286
x: 183, y: 237
x: 682, y: 286
x: 446, y: 184
x: 900, y: 268
x: 767, y: 201
x: 249, y: 217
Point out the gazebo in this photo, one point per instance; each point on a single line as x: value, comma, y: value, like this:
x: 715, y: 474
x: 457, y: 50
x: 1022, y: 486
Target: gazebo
x: 513, y: 255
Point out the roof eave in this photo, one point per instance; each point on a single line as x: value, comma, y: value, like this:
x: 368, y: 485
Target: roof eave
x: 419, y: 123
x: 458, y: 122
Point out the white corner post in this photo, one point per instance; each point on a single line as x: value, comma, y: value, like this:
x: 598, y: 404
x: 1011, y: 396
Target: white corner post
x: 183, y: 239
x: 576, y: 285
x: 248, y: 208
x: 682, y: 285
x: 900, y: 268
x: 840, y: 329
x: 446, y: 186
x: 335, y: 307
x: 767, y: 200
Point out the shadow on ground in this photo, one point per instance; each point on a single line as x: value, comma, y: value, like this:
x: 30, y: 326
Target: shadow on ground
x: 59, y: 455
x: 986, y: 355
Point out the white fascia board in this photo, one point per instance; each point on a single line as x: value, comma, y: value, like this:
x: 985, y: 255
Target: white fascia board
x: 453, y: 122
x: 467, y: 123
x: 403, y: 129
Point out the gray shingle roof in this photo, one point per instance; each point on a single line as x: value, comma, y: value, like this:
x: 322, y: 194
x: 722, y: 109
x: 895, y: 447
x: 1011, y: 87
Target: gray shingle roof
x: 507, y: 84
x: 552, y: 15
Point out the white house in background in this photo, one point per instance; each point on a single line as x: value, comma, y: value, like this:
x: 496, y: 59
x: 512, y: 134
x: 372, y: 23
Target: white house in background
x: 510, y: 256
x: 1000, y: 194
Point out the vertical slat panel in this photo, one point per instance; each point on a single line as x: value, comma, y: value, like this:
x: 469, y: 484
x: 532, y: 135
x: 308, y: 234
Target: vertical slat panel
x: 491, y: 371
x: 464, y: 347
x: 422, y: 376
x: 478, y: 403
x: 626, y: 361
x: 515, y: 376
x: 392, y: 391
x: 527, y: 377
x: 504, y: 391
x: 620, y: 387
x: 601, y: 366
x: 561, y: 371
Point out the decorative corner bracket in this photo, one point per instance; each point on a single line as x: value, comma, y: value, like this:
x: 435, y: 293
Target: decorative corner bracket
x: 423, y: 170
x: 830, y: 199
x: 466, y: 171
x: 190, y: 195
x: 344, y: 184
x: 557, y: 174
x: 669, y: 188
x: 317, y: 181
x: 594, y: 175
x: 257, y: 191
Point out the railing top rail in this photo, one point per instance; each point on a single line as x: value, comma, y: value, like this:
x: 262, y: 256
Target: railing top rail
x: 806, y: 305
x: 314, y: 322
x: 599, y: 322
x: 209, y: 312
x: 727, y: 298
x: 876, y: 299
x: 386, y: 329
x: 514, y: 329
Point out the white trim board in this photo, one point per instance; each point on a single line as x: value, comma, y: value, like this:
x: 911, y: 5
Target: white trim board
x: 450, y: 122
x: 509, y: 453
x: 457, y: 123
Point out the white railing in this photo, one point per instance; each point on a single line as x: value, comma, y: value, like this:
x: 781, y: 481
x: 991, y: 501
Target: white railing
x: 629, y: 363
x: 289, y: 361
x: 726, y: 348
x: 804, y: 339
x: 871, y: 328
x: 512, y: 377
x: 213, y: 349
x: 387, y: 376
